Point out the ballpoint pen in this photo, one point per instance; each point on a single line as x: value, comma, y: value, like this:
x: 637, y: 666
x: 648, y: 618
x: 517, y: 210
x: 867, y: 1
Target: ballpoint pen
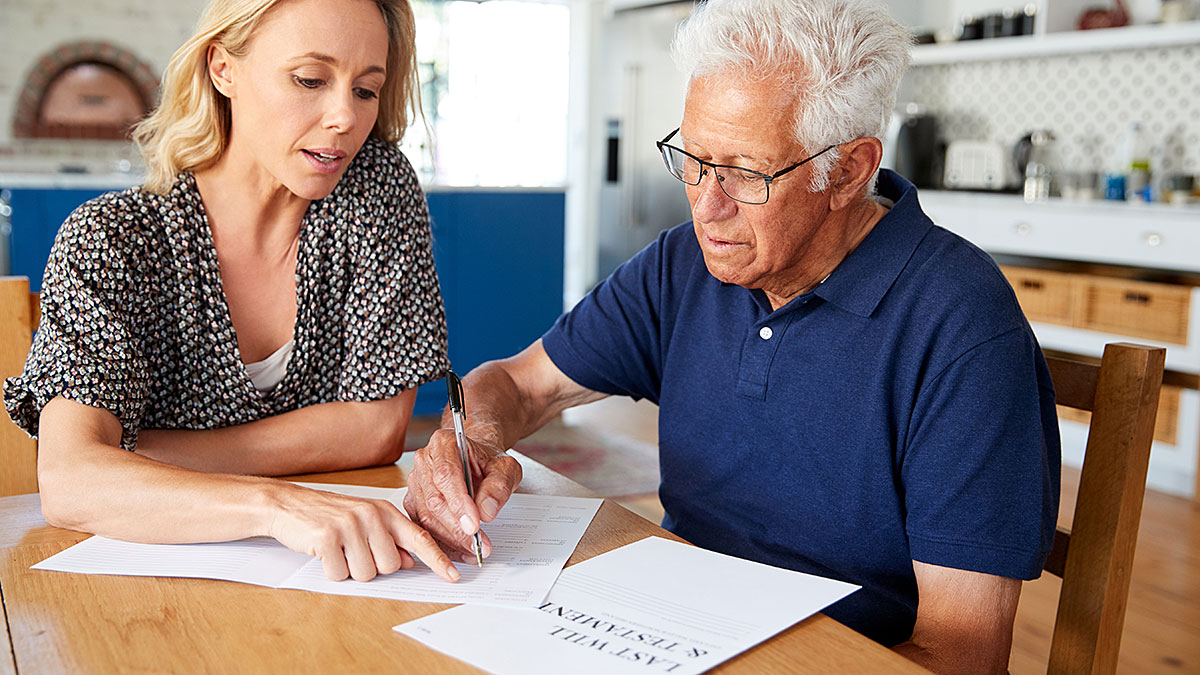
x: 455, y: 391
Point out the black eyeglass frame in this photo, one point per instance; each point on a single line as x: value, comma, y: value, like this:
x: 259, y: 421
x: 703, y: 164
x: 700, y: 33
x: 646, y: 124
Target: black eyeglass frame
x: 767, y: 178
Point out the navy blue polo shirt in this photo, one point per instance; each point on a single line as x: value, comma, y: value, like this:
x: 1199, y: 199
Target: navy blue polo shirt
x: 900, y: 411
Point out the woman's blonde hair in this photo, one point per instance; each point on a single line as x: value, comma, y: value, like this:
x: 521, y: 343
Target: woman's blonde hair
x: 190, y: 128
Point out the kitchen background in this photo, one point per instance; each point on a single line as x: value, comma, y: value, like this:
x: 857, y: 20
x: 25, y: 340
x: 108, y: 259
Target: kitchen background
x: 542, y: 176
x: 1088, y: 100
x: 473, y: 57
x: 537, y: 147
x: 490, y: 189
x: 31, y: 31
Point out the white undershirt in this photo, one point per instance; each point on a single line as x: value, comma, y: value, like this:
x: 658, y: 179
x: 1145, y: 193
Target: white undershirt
x: 267, y: 373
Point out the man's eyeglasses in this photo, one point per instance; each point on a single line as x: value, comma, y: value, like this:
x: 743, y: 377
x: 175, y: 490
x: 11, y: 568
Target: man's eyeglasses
x: 740, y: 184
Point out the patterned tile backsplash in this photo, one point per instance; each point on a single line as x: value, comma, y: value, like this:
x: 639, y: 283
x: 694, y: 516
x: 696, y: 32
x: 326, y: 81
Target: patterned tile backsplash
x: 1087, y: 100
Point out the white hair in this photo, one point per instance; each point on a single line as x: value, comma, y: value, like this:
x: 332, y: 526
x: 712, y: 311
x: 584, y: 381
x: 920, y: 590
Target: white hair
x: 843, y: 59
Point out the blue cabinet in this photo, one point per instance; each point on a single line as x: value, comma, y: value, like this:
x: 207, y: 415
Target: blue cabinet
x: 36, y: 215
x: 499, y: 256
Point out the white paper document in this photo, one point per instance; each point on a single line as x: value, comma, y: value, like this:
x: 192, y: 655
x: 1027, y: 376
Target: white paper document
x: 655, y: 606
x: 532, y: 538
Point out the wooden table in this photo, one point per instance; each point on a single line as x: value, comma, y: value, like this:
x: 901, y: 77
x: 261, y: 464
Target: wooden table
x: 74, y: 623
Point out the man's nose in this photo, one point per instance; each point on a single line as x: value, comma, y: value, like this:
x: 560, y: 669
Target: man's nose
x: 712, y: 204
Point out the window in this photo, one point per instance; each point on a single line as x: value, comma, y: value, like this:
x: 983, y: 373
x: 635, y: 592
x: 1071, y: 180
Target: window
x: 494, y: 90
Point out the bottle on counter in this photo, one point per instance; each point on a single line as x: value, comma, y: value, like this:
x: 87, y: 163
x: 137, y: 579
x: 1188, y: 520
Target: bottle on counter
x: 1114, y: 186
x: 1038, y: 173
x: 1137, y: 171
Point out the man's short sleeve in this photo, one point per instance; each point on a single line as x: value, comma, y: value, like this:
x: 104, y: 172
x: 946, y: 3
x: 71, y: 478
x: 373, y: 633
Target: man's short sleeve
x: 980, y: 474
x: 85, y: 349
x: 395, y: 320
x: 611, y: 342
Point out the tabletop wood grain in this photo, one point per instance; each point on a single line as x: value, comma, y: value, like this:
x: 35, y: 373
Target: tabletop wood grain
x: 59, y: 622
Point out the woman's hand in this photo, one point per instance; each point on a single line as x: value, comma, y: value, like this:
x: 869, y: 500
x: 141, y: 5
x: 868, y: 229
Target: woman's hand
x: 89, y: 484
x: 437, y: 495
x: 352, y: 536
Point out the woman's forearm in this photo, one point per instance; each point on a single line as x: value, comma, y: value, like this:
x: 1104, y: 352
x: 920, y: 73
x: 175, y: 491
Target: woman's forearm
x: 323, y: 437
x: 88, y: 483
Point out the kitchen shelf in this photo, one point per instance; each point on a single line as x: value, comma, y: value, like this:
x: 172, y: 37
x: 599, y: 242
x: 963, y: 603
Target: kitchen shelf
x: 1052, y: 44
x: 1152, y: 236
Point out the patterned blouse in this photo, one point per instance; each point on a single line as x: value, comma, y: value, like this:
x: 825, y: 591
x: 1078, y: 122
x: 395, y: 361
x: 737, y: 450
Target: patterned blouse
x: 134, y: 318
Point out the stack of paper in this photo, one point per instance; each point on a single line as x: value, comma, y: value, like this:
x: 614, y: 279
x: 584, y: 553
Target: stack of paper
x: 656, y: 606
x: 653, y: 606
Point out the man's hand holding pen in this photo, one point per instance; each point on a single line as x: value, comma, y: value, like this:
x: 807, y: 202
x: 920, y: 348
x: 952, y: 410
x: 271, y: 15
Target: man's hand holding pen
x: 454, y: 389
x: 438, y: 498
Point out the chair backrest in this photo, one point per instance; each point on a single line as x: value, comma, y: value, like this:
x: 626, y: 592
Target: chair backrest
x: 1094, y: 558
x: 19, y: 313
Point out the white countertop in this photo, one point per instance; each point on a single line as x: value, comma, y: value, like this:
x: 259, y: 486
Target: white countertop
x: 115, y: 181
x: 988, y: 200
x: 120, y: 181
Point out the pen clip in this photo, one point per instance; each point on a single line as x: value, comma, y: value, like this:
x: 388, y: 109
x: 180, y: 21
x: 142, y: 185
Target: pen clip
x: 454, y: 389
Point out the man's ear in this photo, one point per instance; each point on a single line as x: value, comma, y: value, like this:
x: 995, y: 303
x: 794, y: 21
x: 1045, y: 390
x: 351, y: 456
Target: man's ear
x: 851, y: 177
x: 220, y: 70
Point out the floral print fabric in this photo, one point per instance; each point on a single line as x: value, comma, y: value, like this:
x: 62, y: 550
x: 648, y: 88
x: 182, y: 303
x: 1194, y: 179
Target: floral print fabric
x: 134, y: 318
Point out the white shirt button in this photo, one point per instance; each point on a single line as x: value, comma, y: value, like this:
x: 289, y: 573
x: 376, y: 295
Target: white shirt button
x: 765, y: 332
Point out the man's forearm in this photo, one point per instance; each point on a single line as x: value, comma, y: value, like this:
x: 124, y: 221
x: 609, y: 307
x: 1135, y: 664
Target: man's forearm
x: 949, y: 659
x: 509, y: 399
x: 498, y: 414
x: 323, y: 437
x: 926, y: 658
x: 964, y: 620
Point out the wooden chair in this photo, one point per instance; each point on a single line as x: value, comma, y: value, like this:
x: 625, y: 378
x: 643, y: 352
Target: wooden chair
x: 1095, y: 557
x: 19, y: 313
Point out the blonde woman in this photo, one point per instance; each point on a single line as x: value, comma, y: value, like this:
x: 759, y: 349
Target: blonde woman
x: 265, y: 304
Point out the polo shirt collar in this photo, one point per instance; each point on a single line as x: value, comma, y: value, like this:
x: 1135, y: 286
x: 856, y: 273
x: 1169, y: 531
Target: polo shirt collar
x: 859, y: 283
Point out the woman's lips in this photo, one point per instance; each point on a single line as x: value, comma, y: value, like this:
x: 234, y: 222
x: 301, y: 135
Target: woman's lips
x: 325, y: 160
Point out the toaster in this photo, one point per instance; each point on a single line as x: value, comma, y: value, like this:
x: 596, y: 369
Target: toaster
x: 978, y: 165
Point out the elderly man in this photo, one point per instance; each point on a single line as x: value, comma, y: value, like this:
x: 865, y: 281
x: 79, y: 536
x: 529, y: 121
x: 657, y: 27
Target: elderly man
x: 845, y: 388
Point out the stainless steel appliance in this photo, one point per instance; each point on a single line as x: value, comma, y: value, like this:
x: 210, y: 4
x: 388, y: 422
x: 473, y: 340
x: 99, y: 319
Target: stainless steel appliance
x: 638, y: 98
x: 912, y: 149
